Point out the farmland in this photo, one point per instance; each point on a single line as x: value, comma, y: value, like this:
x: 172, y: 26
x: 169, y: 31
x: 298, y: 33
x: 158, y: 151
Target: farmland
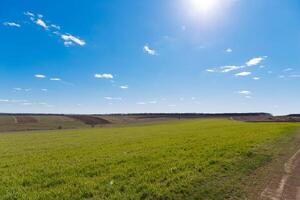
x: 25, y: 123
x: 187, y: 159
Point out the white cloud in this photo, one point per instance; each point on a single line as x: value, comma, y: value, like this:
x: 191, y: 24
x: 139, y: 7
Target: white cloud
x: 55, y: 79
x: 243, y: 74
x: 105, y: 76
x: 41, y: 23
x: 150, y: 51
x: 13, y: 24
x: 245, y: 92
x: 124, y: 87
x: 295, y: 76
x: 40, y: 76
x: 288, y: 69
x: 55, y: 26
x: 152, y: 102
x: 26, y: 104
x: 255, y: 61
x: 4, y: 100
x: 29, y: 14
x: 113, y: 98
x: 68, y: 38
x: 210, y: 70
x: 68, y: 43
x: 71, y: 38
x: 229, y: 50
x: 231, y: 68
x: 226, y: 69
x: 141, y: 103
x: 256, y: 78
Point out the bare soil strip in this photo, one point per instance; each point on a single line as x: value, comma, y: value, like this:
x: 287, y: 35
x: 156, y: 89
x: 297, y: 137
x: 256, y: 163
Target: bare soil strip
x: 267, y: 118
x: 90, y: 120
x: 26, y: 119
x: 286, y: 184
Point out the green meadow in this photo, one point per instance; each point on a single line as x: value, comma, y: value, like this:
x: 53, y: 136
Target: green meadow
x: 188, y: 159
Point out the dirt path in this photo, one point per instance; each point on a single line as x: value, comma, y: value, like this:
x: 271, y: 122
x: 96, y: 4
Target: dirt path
x: 286, y: 183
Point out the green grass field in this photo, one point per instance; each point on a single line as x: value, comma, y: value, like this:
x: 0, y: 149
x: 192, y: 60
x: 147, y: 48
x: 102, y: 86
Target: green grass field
x: 190, y: 159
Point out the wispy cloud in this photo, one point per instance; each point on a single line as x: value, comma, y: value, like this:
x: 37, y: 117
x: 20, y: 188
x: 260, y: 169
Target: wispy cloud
x: 13, y: 24
x: 255, y: 61
x: 55, y: 79
x: 4, y: 100
x: 113, y: 98
x: 295, y: 76
x: 41, y: 23
x: 104, y: 76
x: 17, y: 89
x: 26, y: 104
x: 231, y: 68
x: 256, y: 78
x: 245, y: 92
x: 22, y: 89
x: 55, y: 26
x: 41, y: 76
x: 171, y: 105
x: 149, y: 51
x: 226, y: 69
x: 146, y: 102
x: 70, y: 39
x: 124, y: 87
x: 30, y: 14
x: 229, y: 50
x: 210, y: 70
x: 243, y: 74
x: 288, y: 69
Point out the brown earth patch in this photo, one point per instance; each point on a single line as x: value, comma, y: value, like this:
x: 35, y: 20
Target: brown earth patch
x: 280, y: 179
x: 25, y: 119
x: 285, y: 185
x: 90, y: 120
x: 267, y: 119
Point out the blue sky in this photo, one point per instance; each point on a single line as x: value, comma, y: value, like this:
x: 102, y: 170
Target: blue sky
x: 150, y: 56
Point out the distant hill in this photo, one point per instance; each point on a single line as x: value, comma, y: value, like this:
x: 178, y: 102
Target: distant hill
x: 294, y: 115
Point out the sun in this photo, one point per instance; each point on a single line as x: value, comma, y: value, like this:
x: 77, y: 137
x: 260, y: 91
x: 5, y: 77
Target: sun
x: 204, y: 7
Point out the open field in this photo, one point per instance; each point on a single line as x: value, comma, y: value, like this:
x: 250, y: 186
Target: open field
x: 190, y: 159
x: 27, y: 122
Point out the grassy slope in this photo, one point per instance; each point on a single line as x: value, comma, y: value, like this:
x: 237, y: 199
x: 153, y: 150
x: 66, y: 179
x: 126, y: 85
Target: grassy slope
x: 197, y: 159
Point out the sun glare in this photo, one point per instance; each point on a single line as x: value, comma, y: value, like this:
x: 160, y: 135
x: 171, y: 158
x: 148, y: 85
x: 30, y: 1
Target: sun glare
x: 204, y: 5
x: 205, y: 8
